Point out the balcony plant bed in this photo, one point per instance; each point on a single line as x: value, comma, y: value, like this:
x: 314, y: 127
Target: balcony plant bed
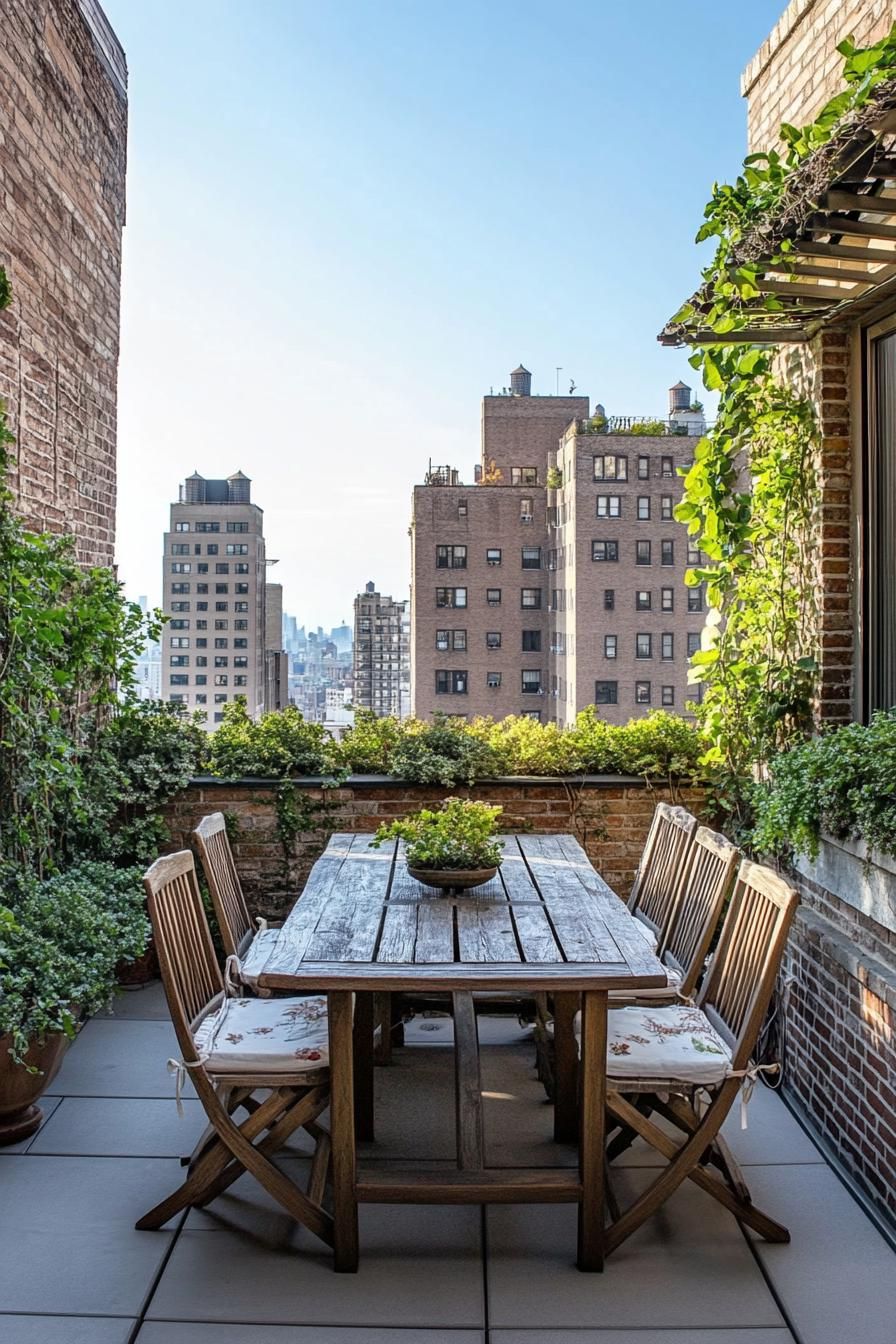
x: 454, y: 848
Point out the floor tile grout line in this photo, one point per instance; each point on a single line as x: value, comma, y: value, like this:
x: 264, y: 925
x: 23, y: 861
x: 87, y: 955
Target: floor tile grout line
x: 157, y: 1277
x: 486, y: 1324
x: 769, y: 1282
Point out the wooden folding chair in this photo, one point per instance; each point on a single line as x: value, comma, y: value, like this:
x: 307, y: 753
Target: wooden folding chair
x: 662, y: 1059
x: 246, y: 948
x: 232, y: 1048
x: 655, y: 892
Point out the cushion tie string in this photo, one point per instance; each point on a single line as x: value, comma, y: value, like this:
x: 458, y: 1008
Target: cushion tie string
x: 178, y: 1067
x: 233, y: 982
x: 261, y: 924
x: 749, y: 1077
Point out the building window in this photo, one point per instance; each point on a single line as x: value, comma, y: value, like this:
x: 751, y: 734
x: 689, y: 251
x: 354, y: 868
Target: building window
x: 668, y: 696
x: 237, y: 527
x: 461, y: 508
x: 493, y: 597
x: 179, y: 660
x: 667, y: 599
x: 493, y: 639
x: 609, y: 599
x: 527, y: 509
x: 202, y: 587
x: 451, y: 683
x: 241, y: 606
x: 695, y: 598
x: 201, y: 660
x: 451, y: 557
x: 208, y: 527
x: 241, y: 625
x: 523, y: 476
x: 642, y: 553
x: 642, y: 692
x: 179, y: 679
x: 531, y: 641
x: 220, y: 699
x: 493, y: 555
x: 221, y: 660
x: 201, y: 680
x: 241, y: 643
x: 693, y: 643
x: 203, y: 698
x: 237, y: 548
x: 531, y: 681
x: 201, y: 625
x: 180, y: 548
x: 180, y: 641
x: 241, y: 567
x: 608, y: 467
x: 667, y: 553
x: 222, y: 587
x: 202, y: 568
x: 220, y: 606
x: 605, y: 550
x: 241, y: 588
x: 212, y: 549
x: 611, y: 644
x: 695, y: 555
x: 643, y: 467
x: 197, y: 549
x: 609, y: 506
x: 531, y: 557
x: 667, y: 647
x: 180, y: 568
x: 666, y: 508
x: 530, y: 598
x: 180, y: 587
x: 241, y: 681
x: 643, y: 599
x: 241, y: 662
x: 202, y: 606
x: 181, y: 527
x: 222, y: 567
x: 179, y: 606
x: 643, y: 508
x: 606, y: 692
x: 493, y: 680
x: 643, y: 646
x: 666, y: 466
x: 220, y: 678
x: 451, y: 597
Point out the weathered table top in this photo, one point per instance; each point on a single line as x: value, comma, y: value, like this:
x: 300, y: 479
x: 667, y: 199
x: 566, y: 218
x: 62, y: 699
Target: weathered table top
x: 546, y: 921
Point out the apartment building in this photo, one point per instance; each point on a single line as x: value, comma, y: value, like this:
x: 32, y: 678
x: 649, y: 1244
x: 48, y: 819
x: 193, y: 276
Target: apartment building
x: 381, y: 670
x: 556, y: 580
x: 213, y: 646
x: 276, y: 659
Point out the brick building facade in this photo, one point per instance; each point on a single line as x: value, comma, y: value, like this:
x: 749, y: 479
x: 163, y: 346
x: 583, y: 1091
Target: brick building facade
x: 63, y: 143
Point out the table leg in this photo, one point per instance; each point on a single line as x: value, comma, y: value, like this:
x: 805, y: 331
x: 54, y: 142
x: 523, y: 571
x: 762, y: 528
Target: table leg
x: 592, y: 1130
x: 566, y: 1069
x: 382, y: 1053
x: 342, y: 1131
x: 467, y: 1085
x: 363, y: 1060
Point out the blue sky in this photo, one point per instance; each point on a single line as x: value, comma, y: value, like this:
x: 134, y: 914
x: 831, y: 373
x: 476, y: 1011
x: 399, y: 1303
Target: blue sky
x: 348, y: 220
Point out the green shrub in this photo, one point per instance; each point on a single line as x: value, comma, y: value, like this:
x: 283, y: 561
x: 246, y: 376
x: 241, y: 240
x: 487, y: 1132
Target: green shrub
x: 524, y: 746
x: 843, y: 782
x: 655, y: 429
x: 366, y: 748
x: 442, y: 752
x: 460, y: 834
x: 660, y: 744
x: 60, y: 943
x: 276, y: 746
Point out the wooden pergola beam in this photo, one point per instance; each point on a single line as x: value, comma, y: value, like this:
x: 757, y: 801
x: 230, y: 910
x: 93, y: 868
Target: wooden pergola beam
x: 825, y: 294
x: 808, y: 248
x: 848, y: 273
x: 851, y: 200
x: 864, y: 228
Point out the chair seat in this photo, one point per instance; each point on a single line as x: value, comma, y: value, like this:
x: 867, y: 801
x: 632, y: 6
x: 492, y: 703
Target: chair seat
x: 672, y: 1044
x: 285, y: 1036
x: 253, y: 961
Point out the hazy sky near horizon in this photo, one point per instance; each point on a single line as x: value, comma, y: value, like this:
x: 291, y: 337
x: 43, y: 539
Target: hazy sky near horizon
x: 348, y: 220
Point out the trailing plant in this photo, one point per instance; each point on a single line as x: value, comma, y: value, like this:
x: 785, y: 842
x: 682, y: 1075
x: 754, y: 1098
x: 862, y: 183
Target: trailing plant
x: 843, y: 782
x: 460, y: 834
x: 748, y: 502
x: 60, y: 943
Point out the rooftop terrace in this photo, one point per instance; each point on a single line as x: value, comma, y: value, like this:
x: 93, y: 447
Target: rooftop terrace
x: 76, y: 1271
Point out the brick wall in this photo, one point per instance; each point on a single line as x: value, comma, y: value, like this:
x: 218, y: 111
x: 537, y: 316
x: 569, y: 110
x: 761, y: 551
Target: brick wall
x: 839, y: 1035
x: 797, y: 69
x: 609, y: 816
x: 63, y: 127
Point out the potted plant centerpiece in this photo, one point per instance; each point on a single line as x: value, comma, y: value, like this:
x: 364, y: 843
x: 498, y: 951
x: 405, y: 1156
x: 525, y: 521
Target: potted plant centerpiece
x: 454, y: 848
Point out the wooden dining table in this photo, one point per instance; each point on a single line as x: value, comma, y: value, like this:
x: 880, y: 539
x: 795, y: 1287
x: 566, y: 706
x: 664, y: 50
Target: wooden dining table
x: 547, y: 923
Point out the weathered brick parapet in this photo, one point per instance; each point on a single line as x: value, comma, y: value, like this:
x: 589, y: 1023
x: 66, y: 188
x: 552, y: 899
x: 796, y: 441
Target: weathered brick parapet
x: 610, y: 816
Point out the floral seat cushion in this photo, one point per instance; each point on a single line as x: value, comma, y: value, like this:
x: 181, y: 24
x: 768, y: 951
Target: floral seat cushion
x: 674, y: 1043
x: 265, y: 1036
x: 252, y: 963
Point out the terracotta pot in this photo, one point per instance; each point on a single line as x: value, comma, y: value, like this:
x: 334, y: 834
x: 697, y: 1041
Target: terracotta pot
x: 19, y: 1089
x: 452, y: 879
x: 134, y: 974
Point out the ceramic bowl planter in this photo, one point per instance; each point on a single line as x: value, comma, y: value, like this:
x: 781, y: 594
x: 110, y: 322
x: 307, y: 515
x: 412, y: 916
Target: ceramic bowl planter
x: 20, y: 1089
x: 453, y: 880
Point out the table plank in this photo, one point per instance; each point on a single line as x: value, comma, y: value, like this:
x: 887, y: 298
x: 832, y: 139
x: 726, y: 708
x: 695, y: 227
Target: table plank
x: 579, y: 919
x: 302, y: 920
x: 485, y: 929
x: 533, y: 928
x: 350, y: 922
x: 621, y: 924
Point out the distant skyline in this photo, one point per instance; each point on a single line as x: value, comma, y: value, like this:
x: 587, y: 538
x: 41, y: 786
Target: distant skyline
x: 347, y: 222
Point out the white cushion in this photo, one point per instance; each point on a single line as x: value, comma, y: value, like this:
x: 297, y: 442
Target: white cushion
x: 253, y: 962
x: 675, y: 1043
x: 662, y: 992
x: 265, y: 1036
x: 646, y: 933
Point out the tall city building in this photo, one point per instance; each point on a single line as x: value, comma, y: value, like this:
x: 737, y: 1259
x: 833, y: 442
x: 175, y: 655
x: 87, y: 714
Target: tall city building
x: 214, y: 590
x: 381, y: 654
x: 276, y: 662
x: 556, y: 580
x: 63, y: 149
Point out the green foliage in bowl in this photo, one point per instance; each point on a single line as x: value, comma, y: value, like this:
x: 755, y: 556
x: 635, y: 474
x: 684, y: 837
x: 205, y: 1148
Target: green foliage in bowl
x: 460, y: 835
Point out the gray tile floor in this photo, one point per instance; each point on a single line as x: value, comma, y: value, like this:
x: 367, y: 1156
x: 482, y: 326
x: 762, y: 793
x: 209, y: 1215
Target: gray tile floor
x: 74, y: 1270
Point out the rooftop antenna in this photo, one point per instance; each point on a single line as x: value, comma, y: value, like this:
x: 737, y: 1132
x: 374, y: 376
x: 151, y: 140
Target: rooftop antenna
x: 559, y: 368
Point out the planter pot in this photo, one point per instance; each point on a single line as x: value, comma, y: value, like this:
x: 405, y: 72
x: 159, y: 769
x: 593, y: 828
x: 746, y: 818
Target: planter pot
x: 452, y: 879
x: 136, y: 974
x: 20, y: 1090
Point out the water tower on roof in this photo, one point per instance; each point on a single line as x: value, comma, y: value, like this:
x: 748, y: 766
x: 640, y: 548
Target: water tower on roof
x: 521, y: 382
x: 238, y: 488
x: 682, y: 418
x: 679, y: 398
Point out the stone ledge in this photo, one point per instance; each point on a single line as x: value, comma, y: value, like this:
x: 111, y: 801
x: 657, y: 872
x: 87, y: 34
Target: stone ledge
x: 856, y: 876
x: 389, y: 781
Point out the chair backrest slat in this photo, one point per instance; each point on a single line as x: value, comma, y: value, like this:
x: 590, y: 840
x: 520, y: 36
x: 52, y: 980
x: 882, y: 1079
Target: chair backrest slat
x: 706, y: 884
x: 739, y: 983
x: 223, y: 881
x: 190, y: 970
x: 655, y: 893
